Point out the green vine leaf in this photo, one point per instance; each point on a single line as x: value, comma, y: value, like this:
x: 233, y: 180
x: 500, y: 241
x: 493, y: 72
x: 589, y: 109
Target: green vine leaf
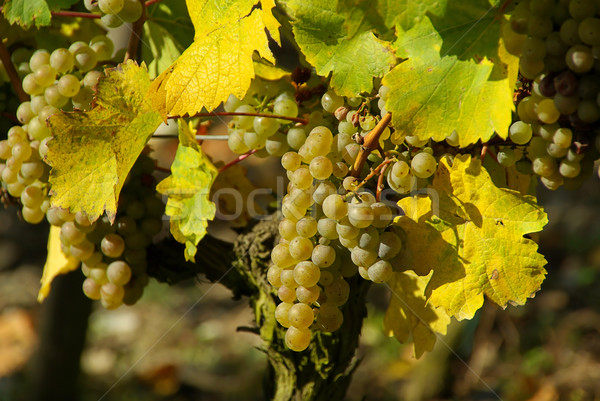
x: 409, y: 316
x: 33, y: 12
x: 457, y: 77
x: 92, y: 151
x: 341, y: 43
x: 471, y: 234
x: 188, y: 190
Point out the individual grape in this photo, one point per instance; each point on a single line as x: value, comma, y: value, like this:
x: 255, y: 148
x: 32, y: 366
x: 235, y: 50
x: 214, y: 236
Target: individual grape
x: 297, y: 339
x: 54, y: 98
x: 335, y: 207
x: 287, y: 229
x: 91, y: 289
x: 244, y: 122
x: 330, y: 318
x: 363, y: 257
x: 360, y: 215
x: 337, y: 292
x: 131, y: 11
x: 21, y: 151
x: 82, y: 251
x: 539, y: 27
x: 348, y: 243
x: 347, y: 128
x: 302, y: 178
x: 547, y: 112
x: 290, y: 161
x: 302, y: 197
x: 323, y: 256
x: 534, y: 49
x: 287, y: 279
x: 390, y: 245
x: 563, y: 137
x: 308, y: 295
x: 110, y: 6
x: 85, y: 57
x: 346, y: 230
x: 322, y: 191
x: 68, y: 85
x: 296, y: 137
x: 118, y: 273
x: 282, y: 312
x: 45, y: 75
x: 321, y: 168
x: 400, y: 169
x: 300, y: 248
x: 380, y: 272
x: 580, y: 9
x: 520, y: 132
x: 382, y: 215
x: 32, y: 196
x: 589, y: 31
x: 306, y: 273
x: 569, y: 169
x: 90, y: 80
x: 112, y: 245
x: 300, y: 316
x: 39, y: 58
x: 588, y: 111
x: 265, y: 126
x: 306, y: 227
x: 369, y: 239
x: 506, y: 157
x: 331, y: 101
x: 544, y: 166
x: 327, y: 228
x: 112, y: 295
x: 24, y: 113
x: 254, y: 141
x: 340, y: 169
x: 274, y: 276
x: 62, y: 60
x: 579, y: 59
x: 285, y: 107
x: 569, y: 32
x: 236, y: 143
x: 423, y: 165
x: 566, y: 104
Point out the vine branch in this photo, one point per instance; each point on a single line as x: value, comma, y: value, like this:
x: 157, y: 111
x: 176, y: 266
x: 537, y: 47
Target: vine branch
x: 370, y: 144
x: 12, y: 73
x: 237, y: 160
x: 135, y: 36
x: 70, y: 14
x: 300, y: 120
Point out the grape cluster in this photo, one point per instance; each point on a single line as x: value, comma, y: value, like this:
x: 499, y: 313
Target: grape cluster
x: 333, y: 227
x: 61, y: 79
x: 113, y: 256
x: 115, y: 12
x: 558, y: 42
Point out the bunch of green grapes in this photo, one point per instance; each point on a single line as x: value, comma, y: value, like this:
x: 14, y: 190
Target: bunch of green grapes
x: 61, y: 79
x: 333, y: 227
x: 558, y: 42
x: 115, y: 12
x: 113, y: 256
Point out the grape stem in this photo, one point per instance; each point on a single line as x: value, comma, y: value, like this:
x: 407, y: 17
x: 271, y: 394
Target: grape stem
x: 135, y: 36
x: 375, y: 171
x: 371, y: 143
x: 12, y: 73
x: 380, y: 185
x: 237, y: 160
x: 300, y: 120
x: 70, y: 14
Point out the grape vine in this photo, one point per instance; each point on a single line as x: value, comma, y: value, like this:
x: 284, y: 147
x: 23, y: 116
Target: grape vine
x: 395, y: 133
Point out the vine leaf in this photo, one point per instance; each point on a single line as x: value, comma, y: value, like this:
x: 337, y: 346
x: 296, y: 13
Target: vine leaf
x: 188, y: 189
x: 408, y: 13
x: 29, y: 12
x: 409, y: 316
x: 162, y: 49
x: 465, y: 79
x: 479, y: 247
x: 92, y: 151
x: 219, y: 62
x: 336, y: 41
x: 56, y: 263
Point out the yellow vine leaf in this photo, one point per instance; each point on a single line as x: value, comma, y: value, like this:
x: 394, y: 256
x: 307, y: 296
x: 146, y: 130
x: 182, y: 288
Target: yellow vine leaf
x: 56, y: 263
x: 92, y: 151
x: 409, y: 316
x: 471, y: 234
x: 188, y: 188
x: 219, y: 62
